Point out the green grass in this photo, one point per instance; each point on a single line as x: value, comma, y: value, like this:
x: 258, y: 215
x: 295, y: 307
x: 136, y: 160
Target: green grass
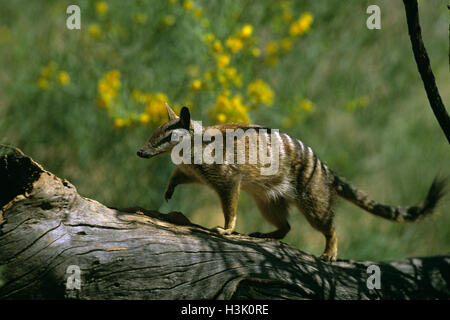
x: 391, y: 148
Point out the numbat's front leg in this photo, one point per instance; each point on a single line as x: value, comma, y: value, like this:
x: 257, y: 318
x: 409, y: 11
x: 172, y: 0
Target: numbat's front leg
x: 177, y: 177
x: 229, y: 197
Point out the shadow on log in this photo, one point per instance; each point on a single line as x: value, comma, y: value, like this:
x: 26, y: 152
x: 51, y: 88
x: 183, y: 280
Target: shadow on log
x: 46, y: 226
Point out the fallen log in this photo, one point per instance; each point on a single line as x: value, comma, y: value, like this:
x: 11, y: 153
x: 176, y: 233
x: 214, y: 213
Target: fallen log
x: 56, y: 244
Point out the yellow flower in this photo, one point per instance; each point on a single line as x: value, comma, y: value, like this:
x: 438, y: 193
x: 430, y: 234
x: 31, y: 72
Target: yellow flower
x: 217, y: 47
x: 237, y: 81
x: 256, y: 52
x: 48, y: 70
x: 107, y: 88
x: 169, y: 21
x: 209, y: 37
x: 113, y: 79
x: 140, y: 18
x: 196, y: 85
x: 113, y: 74
x: 294, y: 29
x: 155, y: 107
x: 43, y: 83
x: 222, y: 103
x: 119, y: 123
x: 146, y: 97
x: 235, y: 44
x: 94, y: 31
x: 260, y: 92
x: 229, y: 109
x: 231, y: 72
x: 188, y: 5
x: 306, y: 20
x: 161, y: 98
x: 221, y: 78
x: 102, y: 87
x: 302, y: 25
x: 101, y: 7
x: 287, y: 17
x: 207, y: 75
x: 114, y: 84
x: 144, y: 118
x: 271, y: 48
x: 286, y: 44
x: 233, y: 75
x: 104, y: 101
x: 109, y: 95
x: 63, y: 78
x: 221, y: 118
x: 246, y: 31
x: 239, y: 110
x: 307, y: 105
x: 198, y: 13
x: 136, y: 95
x: 223, y: 61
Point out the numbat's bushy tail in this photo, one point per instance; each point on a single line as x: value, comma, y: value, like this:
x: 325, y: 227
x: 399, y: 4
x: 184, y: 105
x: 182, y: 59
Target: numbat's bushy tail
x: 300, y: 178
x: 400, y: 214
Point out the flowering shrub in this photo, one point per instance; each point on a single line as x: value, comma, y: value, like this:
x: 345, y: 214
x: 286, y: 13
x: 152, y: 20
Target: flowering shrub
x: 222, y: 80
x: 51, y: 76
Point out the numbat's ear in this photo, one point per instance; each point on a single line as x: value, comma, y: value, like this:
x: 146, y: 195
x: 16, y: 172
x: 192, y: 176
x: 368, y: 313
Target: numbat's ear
x: 185, y: 118
x: 170, y: 113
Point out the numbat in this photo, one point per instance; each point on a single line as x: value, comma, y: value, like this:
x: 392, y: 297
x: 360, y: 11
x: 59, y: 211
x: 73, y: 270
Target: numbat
x: 301, y: 179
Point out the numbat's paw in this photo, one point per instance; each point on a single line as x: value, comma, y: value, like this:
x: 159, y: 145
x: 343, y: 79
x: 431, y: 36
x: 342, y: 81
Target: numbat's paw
x: 328, y: 257
x: 223, y: 231
x: 168, y: 194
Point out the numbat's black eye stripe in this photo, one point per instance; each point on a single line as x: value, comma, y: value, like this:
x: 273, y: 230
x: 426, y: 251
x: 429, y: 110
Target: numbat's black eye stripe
x: 164, y: 140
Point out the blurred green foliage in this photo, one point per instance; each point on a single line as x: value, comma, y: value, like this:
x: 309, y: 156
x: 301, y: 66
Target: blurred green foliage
x: 82, y: 102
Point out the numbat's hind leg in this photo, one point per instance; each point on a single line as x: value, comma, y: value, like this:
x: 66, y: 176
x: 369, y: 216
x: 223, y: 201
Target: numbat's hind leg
x: 276, y: 212
x: 323, y: 222
x: 330, y: 252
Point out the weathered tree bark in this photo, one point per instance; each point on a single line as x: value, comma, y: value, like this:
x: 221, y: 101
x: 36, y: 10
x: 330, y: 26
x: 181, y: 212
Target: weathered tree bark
x: 423, y: 64
x: 46, y: 226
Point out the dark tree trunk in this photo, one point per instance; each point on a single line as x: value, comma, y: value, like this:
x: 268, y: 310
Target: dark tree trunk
x: 46, y: 226
x: 424, y: 67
